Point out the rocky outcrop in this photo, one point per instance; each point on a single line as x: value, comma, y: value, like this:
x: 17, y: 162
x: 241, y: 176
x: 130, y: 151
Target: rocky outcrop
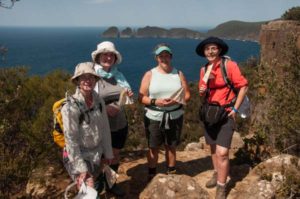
x: 273, y: 38
x: 111, y: 32
x: 267, y: 178
x: 127, y: 33
x: 194, y: 168
x: 151, y: 32
x: 229, y: 30
x: 173, y: 186
x: 184, y: 33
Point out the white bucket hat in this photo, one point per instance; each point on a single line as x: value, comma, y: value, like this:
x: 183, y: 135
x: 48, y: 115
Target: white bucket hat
x: 107, y: 46
x: 84, y: 68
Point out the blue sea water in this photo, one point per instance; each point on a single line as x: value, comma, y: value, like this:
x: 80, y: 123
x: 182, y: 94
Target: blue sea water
x: 46, y: 49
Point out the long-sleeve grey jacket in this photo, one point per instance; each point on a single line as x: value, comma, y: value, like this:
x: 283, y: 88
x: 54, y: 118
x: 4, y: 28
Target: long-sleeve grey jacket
x: 89, y: 139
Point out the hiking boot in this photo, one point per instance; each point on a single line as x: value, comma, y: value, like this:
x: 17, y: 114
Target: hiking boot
x: 116, y: 190
x: 171, y: 170
x: 213, y: 181
x: 221, y: 192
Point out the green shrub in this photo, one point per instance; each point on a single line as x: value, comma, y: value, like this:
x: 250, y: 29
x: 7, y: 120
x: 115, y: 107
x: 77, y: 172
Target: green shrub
x: 26, y: 123
x: 278, y: 106
x: 292, y: 14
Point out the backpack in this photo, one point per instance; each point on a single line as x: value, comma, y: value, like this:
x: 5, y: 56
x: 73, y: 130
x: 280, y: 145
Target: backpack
x: 58, y: 131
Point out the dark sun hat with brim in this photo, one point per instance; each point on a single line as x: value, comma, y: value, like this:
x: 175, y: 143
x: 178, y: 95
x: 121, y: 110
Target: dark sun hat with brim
x: 212, y: 40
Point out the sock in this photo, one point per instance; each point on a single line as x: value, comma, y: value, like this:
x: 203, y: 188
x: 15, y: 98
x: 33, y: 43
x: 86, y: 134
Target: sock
x: 221, y: 184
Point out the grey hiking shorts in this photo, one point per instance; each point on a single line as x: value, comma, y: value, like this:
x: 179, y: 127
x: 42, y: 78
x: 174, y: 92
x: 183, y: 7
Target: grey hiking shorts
x: 220, y: 134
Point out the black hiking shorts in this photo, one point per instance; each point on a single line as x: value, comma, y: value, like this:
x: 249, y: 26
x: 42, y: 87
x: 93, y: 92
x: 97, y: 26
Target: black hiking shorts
x: 157, y: 136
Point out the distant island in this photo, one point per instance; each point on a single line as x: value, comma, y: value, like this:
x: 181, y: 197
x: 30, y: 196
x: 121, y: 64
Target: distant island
x: 228, y: 30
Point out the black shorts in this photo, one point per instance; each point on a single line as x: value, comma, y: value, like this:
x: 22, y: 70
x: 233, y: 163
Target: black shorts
x: 118, y: 138
x: 156, y: 136
x: 220, y: 134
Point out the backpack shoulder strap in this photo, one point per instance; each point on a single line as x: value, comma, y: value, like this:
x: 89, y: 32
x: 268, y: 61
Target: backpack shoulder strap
x: 72, y: 100
x: 224, y: 72
x: 224, y: 61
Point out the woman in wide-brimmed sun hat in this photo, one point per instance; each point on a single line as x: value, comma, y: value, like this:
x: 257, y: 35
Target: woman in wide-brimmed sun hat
x: 219, y: 131
x: 86, y: 128
x: 164, y: 113
x: 112, y: 84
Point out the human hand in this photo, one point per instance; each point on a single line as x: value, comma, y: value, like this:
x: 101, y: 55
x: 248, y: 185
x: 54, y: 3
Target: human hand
x: 80, y: 179
x: 129, y: 93
x: 164, y: 102
x: 112, y: 110
x: 169, y: 102
x: 90, y: 182
x: 232, y: 114
x: 202, y: 89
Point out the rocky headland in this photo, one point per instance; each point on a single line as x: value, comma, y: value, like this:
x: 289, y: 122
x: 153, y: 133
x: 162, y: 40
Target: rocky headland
x: 229, y: 30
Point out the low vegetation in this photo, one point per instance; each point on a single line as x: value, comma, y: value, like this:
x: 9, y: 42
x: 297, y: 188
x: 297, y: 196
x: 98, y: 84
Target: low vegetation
x: 292, y: 14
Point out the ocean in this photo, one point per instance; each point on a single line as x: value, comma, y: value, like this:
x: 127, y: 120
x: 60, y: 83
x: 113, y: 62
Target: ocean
x: 46, y: 49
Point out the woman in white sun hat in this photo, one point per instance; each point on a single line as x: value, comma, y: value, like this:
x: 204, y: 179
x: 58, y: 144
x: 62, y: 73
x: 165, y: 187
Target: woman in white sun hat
x: 86, y: 128
x: 111, y: 85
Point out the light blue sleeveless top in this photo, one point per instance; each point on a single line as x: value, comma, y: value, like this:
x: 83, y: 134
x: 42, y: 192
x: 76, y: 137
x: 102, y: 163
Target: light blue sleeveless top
x: 163, y: 86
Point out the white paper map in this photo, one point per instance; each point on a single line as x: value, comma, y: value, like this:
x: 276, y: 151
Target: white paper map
x: 178, y: 96
x: 124, y: 99
x: 111, y: 176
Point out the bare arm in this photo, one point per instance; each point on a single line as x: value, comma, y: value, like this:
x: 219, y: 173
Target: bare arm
x: 144, y: 89
x: 239, y: 100
x: 187, y: 93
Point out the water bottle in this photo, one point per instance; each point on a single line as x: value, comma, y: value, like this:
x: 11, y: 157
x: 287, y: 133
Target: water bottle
x: 244, y: 110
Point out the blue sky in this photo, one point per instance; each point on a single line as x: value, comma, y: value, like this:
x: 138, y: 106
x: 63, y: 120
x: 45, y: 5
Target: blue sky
x: 138, y: 13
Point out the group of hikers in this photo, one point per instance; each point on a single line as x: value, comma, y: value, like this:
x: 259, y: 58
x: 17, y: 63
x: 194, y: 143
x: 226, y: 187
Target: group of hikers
x: 95, y: 124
